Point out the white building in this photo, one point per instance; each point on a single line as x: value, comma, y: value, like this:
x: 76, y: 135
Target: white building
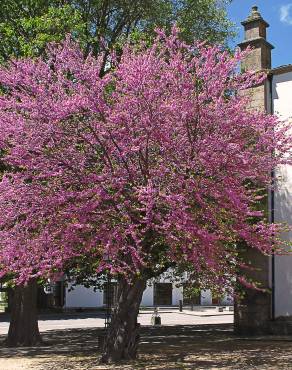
x: 280, y: 95
x: 159, y: 293
x: 263, y: 312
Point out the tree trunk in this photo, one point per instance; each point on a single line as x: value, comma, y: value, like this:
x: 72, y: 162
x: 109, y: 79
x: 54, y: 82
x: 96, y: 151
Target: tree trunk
x: 123, y: 334
x: 23, y: 328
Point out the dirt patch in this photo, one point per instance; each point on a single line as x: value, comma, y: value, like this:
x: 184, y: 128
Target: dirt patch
x: 170, y: 348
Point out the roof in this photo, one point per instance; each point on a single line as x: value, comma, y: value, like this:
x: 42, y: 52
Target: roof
x: 254, y: 16
x: 281, y: 69
x: 255, y: 41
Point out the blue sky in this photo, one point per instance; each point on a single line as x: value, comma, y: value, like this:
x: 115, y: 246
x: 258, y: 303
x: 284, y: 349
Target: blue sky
x: 278, y: 13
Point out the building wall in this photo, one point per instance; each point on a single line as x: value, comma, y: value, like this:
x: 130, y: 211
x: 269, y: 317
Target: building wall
x: 87, y: 298
x: 147, y: 298
x: 282, y: 99
x: 206, y: 298
x: 83, y: 297
x: 177, y: 295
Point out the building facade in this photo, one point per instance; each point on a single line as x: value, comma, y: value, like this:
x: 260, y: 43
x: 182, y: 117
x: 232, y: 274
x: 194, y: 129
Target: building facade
x: 269, y: 312
x: 158, y: 293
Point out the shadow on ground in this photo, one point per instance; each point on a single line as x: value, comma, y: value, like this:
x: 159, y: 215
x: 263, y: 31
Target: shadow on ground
x: 61, y: 316
x: 169, y: 348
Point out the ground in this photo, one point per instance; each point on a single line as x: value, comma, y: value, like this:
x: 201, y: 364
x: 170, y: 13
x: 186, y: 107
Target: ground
x: 170, y: 316
x: 169, y: 347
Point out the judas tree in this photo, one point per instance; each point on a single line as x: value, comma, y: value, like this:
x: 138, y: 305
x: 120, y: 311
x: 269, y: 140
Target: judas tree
x: 158, y: 163
x: 27, y: 26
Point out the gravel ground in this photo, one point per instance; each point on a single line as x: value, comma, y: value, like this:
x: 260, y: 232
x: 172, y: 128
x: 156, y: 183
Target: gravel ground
x: 167, y: 347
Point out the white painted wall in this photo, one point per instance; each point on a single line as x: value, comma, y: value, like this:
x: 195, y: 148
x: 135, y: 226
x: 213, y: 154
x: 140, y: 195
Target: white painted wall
x: 177, y: 295
x: 83, y: 297
x: 227, y: 300
x: 87, y: 298
x: 282, y: 98
x: 206, y: 297
x: 147, y: 298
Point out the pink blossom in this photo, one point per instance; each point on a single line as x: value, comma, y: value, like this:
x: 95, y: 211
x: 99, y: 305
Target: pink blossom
x: 159, y: 161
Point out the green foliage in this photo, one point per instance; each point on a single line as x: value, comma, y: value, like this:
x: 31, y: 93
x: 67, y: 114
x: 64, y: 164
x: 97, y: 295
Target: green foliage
x: 191, y: 291
x: 26, y: 26
x: 25, y: 30
x: 204, y: 20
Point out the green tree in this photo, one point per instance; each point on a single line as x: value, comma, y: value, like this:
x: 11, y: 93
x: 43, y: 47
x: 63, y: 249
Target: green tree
x: 26, y: 26
x: 204, y: 20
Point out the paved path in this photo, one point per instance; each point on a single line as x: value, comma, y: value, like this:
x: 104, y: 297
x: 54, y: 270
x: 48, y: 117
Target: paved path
x: 169, y: 317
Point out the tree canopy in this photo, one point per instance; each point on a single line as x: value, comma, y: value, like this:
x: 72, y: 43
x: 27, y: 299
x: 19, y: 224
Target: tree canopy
x: 27, y: 26
x: 155, y: 164
x: 152, y: 164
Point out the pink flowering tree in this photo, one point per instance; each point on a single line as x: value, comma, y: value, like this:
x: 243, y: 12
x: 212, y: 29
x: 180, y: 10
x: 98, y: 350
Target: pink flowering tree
x: 154, y: 165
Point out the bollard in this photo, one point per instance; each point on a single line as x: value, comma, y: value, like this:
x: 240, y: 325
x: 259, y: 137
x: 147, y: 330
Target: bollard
x: 155, y: 319
x: 180, y: 305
